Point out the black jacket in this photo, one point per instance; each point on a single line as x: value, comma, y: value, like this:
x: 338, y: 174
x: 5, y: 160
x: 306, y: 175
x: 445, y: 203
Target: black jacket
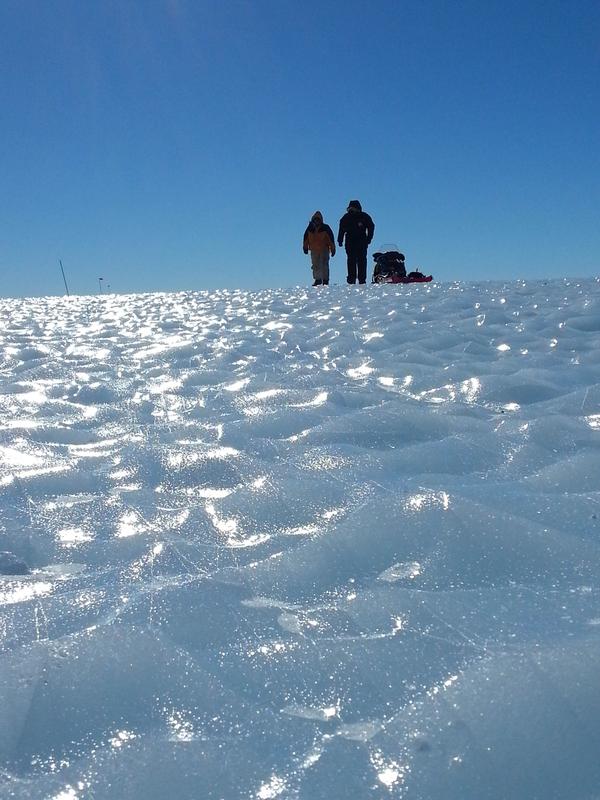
x: 358, y: 228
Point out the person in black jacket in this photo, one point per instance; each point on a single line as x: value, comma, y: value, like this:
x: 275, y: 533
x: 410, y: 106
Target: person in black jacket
x: 357, y: 227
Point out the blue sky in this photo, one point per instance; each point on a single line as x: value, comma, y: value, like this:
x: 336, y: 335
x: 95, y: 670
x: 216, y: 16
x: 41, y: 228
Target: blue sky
x: 184, y: 144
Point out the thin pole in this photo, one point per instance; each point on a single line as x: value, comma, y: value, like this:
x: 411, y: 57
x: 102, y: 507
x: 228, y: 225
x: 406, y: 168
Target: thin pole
x: 63, y: 274
x: 100, y: 284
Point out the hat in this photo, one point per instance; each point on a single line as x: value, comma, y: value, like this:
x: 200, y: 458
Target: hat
x: 355, y: 205
x: 317, y: 215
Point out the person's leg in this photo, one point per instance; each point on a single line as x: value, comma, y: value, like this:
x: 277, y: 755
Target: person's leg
x: 325, y: 268
x: 351, y: 260
x: 316, y: 267
x: 361, y: 263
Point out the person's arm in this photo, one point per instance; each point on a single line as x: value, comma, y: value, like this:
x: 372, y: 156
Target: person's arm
x: 305, y: 242
x: 370, y: 229
x: 331, y: 240
x: 342, y: 231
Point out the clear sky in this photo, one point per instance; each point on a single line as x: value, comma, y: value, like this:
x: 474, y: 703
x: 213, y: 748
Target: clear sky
x: 184, y: 144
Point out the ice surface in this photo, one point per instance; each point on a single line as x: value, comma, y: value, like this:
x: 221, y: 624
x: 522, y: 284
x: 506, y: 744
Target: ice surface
x: 337, y: 543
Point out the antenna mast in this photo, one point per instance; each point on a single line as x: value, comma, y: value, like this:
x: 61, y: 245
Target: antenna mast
x: 63, y: 274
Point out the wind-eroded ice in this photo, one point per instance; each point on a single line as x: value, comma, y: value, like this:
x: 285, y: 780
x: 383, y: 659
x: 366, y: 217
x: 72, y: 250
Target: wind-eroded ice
x: 302, y: 544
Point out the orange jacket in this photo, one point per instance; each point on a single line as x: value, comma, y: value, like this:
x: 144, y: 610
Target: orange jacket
x: 318, y: 237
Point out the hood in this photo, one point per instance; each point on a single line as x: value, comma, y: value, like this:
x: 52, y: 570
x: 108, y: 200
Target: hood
x: 354, y: 204
x: 317, y: 217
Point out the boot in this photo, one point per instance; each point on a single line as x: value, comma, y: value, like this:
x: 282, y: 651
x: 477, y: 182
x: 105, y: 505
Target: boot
x: 317, y: 283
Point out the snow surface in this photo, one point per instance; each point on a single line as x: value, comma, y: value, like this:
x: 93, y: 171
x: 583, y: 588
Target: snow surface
x: 308, y: 543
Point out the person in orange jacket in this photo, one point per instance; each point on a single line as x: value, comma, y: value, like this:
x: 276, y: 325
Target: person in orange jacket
x: 318, y: 238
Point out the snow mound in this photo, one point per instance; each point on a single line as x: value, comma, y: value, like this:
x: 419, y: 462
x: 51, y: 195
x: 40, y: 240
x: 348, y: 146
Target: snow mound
x: 302, y: 544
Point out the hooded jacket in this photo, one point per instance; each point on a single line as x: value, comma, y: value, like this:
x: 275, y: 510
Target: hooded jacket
x: 318, y: 237
x: 357, y: 226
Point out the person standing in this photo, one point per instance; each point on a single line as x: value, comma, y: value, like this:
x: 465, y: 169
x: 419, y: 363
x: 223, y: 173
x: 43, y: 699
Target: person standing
x: 358, y: 228
x: 318, y: 238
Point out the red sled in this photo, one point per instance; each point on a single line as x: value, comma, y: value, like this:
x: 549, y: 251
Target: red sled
x: 402, y: 279
x: 390, y: 267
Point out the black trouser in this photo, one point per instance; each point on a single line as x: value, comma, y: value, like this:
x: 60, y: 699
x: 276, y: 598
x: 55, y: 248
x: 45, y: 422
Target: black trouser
x: 357, y: 263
